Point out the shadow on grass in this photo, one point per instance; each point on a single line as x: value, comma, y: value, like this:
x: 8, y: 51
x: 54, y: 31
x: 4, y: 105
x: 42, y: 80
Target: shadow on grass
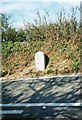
x: 46, y: 60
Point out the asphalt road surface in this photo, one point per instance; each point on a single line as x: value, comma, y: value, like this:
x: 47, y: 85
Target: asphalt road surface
x: 36, y: 91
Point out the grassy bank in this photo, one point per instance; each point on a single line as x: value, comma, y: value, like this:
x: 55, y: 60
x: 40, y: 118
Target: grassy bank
x: 60, y: 41
x: 18, y: 57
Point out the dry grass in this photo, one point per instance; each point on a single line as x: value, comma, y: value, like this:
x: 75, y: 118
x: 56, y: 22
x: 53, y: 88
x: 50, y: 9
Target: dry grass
x: 60, y: 41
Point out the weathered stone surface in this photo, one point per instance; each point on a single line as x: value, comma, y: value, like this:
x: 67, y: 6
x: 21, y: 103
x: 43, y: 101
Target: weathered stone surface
x: 40, y: 61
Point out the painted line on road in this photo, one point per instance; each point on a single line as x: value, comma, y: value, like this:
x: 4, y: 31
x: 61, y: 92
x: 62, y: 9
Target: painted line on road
x: 11, y: 111
x: 41, y: 104
x: 44, y: 77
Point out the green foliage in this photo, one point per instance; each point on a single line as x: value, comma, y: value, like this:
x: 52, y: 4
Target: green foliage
x: 11, y: 34
x: 9, y: 47
x: 62, y: 36
x: 76, y: 65
x: 8, y: 32
x: 6, y: 48
x: 50, y: 71
x: 20, y: 36
x: 4, y: 21
x: 42, y: 29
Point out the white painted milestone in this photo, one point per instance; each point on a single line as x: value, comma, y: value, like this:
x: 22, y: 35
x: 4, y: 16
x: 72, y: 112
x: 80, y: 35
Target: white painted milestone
x: 40, y: 61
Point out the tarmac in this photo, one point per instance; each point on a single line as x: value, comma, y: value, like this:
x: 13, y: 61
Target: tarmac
x: 42, y: 98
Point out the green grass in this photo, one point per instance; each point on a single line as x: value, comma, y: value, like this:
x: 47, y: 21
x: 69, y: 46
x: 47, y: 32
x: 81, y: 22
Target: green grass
x: 28, y: 50
x: 60, y: 41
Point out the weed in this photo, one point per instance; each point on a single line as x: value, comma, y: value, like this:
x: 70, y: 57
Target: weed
x: 76, y: 65
x: 62, y: 37
x: 50, y: 71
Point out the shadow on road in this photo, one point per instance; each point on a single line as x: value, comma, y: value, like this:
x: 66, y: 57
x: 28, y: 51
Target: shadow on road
x: 53, y: 90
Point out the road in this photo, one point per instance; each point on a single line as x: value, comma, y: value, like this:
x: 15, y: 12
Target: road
x: 51, y: 90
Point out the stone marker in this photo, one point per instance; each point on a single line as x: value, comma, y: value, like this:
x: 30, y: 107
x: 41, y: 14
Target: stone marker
x: 39, y: 61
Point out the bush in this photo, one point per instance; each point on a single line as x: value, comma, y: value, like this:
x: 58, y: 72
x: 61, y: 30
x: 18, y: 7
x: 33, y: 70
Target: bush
x: 76, y: 65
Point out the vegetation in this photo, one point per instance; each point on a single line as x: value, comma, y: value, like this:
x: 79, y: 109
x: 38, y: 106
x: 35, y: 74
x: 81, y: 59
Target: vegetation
x: 59, y: 40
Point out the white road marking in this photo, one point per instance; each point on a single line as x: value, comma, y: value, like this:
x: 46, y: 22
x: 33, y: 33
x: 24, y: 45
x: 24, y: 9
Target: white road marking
x: 11, y: 111
x: 44, y: 77
x: 40, y: 104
